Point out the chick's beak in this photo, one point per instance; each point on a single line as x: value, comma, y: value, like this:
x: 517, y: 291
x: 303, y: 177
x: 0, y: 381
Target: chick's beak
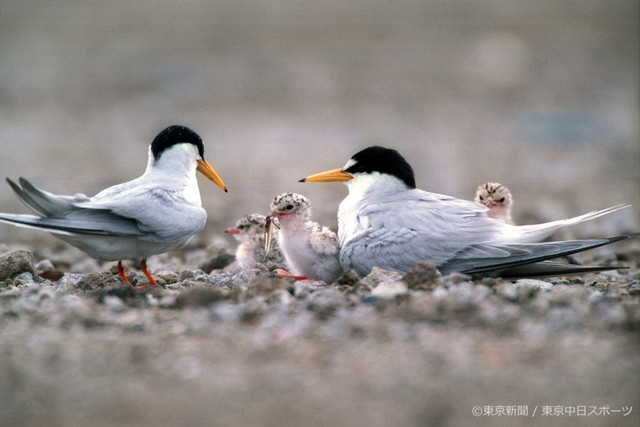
x: 274, y: 218
x: 232, y: 230
x: 333, y: 175
x: 205, y: 169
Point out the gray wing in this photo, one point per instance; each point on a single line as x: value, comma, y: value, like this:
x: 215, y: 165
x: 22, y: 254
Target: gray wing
x: 43, y: 202
x: 129, y: 211
x: 455, y: 234
x: 512, y: 259
x: 162, y: 214
x: 60, y: 215
x: 538, y: 232
x: 413, y: 226
x: 545, y: 269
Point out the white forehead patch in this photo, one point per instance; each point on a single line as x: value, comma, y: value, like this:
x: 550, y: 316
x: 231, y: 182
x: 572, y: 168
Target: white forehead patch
x: 350, y: 163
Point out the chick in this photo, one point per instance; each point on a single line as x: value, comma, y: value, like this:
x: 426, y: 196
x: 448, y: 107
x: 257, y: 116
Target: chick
x: 498, y: 199
x: 249, y: 231
x: 311, y: 251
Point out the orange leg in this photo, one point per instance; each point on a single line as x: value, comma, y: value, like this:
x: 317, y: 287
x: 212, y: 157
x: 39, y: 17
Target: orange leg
x: 278, y: 272
x: 143, y: 267
x: 121, y: 273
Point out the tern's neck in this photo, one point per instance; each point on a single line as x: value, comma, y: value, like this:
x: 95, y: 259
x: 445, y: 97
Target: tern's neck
x: 378, y: 183
x: 176, y: 169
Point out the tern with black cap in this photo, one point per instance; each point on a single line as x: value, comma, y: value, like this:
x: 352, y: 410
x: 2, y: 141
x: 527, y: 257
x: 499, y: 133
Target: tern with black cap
x: 159, y: 211
x: 387, y: 222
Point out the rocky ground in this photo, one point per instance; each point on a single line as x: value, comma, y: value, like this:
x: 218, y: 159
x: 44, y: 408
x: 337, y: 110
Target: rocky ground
x: 216, y: 346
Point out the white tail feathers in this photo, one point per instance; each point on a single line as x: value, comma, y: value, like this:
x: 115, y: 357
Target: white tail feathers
x: 538, y: 232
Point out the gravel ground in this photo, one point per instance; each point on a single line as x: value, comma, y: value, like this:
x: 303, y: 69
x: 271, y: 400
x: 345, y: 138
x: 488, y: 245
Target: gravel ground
x: 238, y: 347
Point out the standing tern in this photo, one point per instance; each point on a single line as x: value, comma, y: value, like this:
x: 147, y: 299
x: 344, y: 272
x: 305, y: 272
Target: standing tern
x: 310, y: 250
x: 154, y: 213
x: 386, y: 221
x: 250, y: 232
x: 497, y: 198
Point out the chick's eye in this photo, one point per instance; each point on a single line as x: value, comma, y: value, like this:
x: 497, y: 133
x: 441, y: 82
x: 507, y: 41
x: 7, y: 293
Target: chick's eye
x: 501, y: 200
x: 242, y: 227
x: 288, y: 207
x: 481, y: 198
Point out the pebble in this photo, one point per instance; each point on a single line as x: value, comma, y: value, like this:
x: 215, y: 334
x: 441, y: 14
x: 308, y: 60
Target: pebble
x: 533, y: 283
x: 325, y: 302
x: 454, y: 279
x: 44, y: 265
x: 523, y: 290
x: 390, y: 290
x: 634, y: 288
x: 280, y: 297
x: 302, y: 288
x: 15, y: 263
x: 266, y: 285
x: 115, y: 304
x: 25, y: 277
x: 423, y: 276
x: 378, y: 276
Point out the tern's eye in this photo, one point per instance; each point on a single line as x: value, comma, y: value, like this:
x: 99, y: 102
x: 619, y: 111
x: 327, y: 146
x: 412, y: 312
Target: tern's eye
x: 501, y: 200
x: 288, y: 207
x: 242, y: 227
x: 481, y: 198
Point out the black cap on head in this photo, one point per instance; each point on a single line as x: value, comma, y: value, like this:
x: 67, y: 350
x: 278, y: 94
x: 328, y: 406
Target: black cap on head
x: 383, y: 160
x: 175, y: 135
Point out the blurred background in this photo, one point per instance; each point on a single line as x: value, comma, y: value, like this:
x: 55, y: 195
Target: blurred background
x: 541, y: 96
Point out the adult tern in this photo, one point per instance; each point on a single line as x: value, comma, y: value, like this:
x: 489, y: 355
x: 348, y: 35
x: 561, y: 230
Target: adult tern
x: 386, y: 221
x: 154, y: 213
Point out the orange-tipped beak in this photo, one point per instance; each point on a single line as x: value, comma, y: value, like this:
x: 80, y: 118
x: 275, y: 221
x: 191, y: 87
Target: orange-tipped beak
x: 205, y: 169
x: 335, y: 175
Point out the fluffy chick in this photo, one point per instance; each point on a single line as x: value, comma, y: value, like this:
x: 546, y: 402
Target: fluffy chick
x: 498, y: 199
x: 249, y: 231
x: 311, y: 251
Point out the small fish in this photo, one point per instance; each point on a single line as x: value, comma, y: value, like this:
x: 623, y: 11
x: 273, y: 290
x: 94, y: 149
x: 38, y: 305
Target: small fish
x: 268, y: 232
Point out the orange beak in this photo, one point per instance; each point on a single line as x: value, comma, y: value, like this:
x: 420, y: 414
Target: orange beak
x: 334, y: 175
x: 205, y: 169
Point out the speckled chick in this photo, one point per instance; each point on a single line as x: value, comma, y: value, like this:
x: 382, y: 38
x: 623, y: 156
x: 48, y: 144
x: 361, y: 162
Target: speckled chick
x: 249, y: 231
x: 498, y: 199
x: 309, y: 249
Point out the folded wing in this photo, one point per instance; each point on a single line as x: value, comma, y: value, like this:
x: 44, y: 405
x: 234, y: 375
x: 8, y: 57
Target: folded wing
x: 141, y: 212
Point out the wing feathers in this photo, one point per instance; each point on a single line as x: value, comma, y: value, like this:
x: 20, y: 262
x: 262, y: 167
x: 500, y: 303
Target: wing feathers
x: 61, y: 215
x: 538, y: 232
x: 546, y: 269
x: 519, y: 255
